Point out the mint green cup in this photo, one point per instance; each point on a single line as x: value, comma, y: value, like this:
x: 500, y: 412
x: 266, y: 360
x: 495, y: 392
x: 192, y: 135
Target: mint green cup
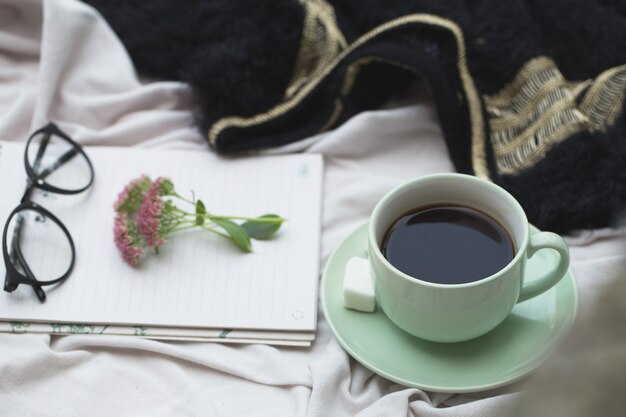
x: 458, y: 312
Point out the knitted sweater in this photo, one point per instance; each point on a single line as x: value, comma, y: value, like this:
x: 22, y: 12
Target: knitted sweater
x: 530, y: 94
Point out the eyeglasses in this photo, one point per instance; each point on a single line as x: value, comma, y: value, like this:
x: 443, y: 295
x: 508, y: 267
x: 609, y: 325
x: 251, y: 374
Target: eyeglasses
x: 41, y: 251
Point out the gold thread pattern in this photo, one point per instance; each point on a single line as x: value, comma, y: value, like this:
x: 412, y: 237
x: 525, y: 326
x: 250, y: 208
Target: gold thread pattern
x: 604, y: 100
x: 529, y: 115
x: 349, y: 80
x: 540, y: 109
x: 534, y: 146
x: 320, y: 43
x: 338, y: 109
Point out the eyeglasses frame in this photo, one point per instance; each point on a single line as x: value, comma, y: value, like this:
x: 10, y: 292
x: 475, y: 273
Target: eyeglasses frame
x: 14, y: 277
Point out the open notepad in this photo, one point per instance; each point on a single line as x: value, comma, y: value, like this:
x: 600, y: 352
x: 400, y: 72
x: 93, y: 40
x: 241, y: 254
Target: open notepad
x: 200, y: 286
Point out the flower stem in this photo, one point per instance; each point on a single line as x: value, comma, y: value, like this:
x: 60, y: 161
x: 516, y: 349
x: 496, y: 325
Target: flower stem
x: 184, y: 199
x: 207, y: 216
x: 253, y: 219
x: 181, y: 228
x: 204, y: 227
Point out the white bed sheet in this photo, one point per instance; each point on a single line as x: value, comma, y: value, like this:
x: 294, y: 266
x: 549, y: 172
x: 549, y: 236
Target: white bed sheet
x: 60, y: 61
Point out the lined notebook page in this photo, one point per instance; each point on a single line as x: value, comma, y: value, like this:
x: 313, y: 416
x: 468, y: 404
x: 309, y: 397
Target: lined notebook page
x: 198, y: 279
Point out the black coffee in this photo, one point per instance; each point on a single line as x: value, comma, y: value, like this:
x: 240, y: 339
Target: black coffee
x: 447, y: 244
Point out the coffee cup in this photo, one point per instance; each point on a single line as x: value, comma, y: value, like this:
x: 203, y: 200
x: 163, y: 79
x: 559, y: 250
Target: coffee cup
x: 454, y: 309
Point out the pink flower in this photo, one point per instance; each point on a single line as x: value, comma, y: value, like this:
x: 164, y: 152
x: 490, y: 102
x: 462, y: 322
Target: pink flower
x: 149, y: 217
x: 125, y: 236
x: 145, y: 214
x: 131, y: 197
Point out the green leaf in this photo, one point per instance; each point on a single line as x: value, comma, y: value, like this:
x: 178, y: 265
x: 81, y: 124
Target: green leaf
x: 200, y: 213
x: 263, y: 229
x: 237, y: 233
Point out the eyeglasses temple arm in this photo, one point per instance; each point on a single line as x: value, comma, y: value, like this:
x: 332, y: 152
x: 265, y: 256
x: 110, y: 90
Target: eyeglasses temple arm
x: 42, y: 149
x: 17, y: 256
x: 37, y: 288
x: 62, y: 159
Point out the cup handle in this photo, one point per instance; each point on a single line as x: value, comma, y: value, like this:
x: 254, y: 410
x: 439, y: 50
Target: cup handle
x: 539, y: 241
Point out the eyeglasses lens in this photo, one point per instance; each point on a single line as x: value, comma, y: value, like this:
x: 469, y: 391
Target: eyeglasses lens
x: 58, y: 162
x: 45, y: 249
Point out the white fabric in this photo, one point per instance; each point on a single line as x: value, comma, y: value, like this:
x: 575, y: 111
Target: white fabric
x: 62, y: 62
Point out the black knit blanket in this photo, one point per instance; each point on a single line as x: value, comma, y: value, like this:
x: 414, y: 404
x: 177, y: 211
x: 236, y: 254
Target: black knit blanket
x: 530, y: 93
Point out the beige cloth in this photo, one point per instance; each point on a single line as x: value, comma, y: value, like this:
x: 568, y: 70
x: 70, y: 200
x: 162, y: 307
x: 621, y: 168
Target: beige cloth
x: 60, y: 61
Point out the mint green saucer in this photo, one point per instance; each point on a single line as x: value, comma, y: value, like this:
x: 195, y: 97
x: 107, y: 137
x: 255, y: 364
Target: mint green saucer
x: 510, y: 351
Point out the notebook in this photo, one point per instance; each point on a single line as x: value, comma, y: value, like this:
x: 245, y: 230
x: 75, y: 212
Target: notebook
x: 199, y: 286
